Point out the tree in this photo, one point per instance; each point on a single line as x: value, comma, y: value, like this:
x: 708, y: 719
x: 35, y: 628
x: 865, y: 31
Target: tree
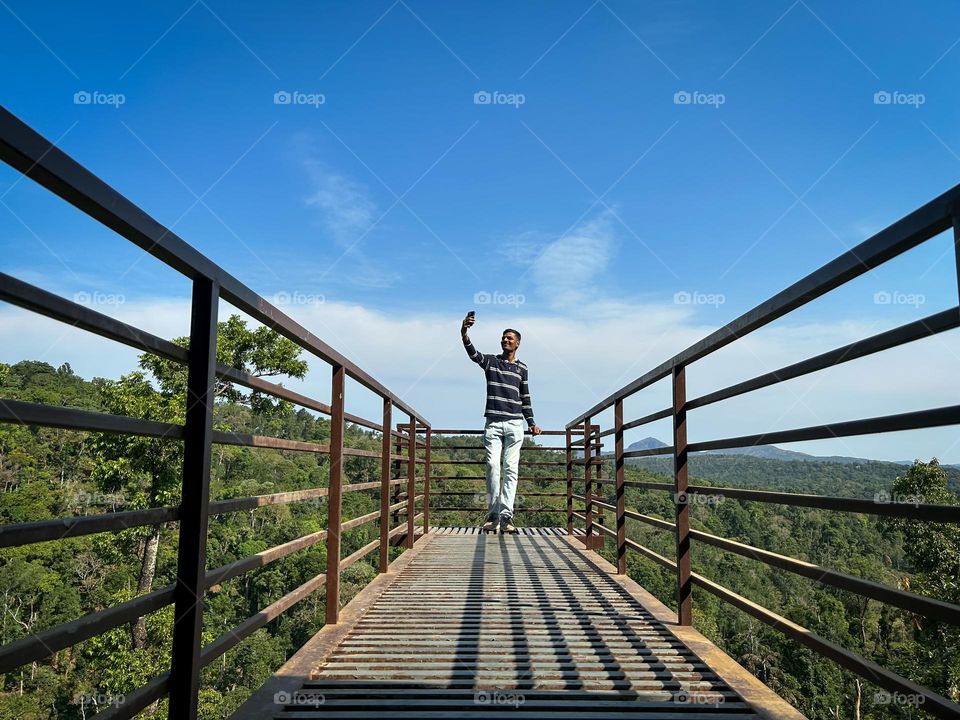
x: 934, y: 552
x: 148, y: 470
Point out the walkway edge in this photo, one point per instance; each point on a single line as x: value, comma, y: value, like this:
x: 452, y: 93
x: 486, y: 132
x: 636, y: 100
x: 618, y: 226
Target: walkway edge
x: 764, y: 701
x: 297, y: 670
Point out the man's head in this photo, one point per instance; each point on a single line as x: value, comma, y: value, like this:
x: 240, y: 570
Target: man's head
x: 510, y: 340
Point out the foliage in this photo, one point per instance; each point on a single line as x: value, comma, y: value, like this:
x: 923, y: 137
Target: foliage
x: 50, y: 473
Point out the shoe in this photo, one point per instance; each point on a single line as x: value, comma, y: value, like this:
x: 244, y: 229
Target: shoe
x: 490, y: 526
x: 506, y: 526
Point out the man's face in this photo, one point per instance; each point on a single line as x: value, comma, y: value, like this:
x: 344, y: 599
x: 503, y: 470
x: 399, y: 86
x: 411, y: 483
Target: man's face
x: 509, y: 342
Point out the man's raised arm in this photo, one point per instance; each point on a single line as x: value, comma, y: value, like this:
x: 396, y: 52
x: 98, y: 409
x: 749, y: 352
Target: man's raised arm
x: 472, y: 352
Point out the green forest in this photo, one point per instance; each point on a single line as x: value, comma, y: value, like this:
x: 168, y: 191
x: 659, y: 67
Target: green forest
x: 52, y: 473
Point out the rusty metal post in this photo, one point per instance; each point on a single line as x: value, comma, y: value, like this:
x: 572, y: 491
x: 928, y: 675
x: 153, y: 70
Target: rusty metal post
x: 426, y: 481
x: 684, y: 585
x: 621, y: 500
x: 335, y: 496
x: 411, y: 480
x: 192, y: 548
x: 598, y: 477
x: 569, y: 482
x: 588, y: 479
x: 397, y: 465
x: 385, y: 477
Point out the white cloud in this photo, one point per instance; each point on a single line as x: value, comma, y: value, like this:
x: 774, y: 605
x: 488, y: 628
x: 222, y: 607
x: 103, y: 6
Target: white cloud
x: 346, y: 208
x: 569, y: 269
x: 349, y: 215
x: 524, y: 247
x: 575, y: 361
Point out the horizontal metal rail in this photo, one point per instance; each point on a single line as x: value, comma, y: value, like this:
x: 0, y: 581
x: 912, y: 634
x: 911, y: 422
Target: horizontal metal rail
x: 922, y: 224
x: 27, y: 413
x: 27, y: 533
x: 447, y: 431
x: 32, y: 298
x: 668, y: 450
x: 911, y: 511
x: 42, y: 161
x: 912, y: 602
x: 47, y: 642
x: 517, y: 510
x: 521, y: 478
x: 933, y: 703
x: 907, y: 510
x: 652, y: 417
x: 935, y: 417
x: 138, y: 700
x: 523, y: 448
x: 916, y: 330
x: 938, y: 705
x: 472, y: 494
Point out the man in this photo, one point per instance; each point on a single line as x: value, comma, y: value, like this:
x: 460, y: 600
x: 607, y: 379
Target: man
x: 508, y: 404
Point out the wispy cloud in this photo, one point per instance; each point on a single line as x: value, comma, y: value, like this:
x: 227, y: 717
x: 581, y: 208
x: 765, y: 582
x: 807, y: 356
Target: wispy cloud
x: 569, y: 269
x: 346, y: 208
x: 348, y: 214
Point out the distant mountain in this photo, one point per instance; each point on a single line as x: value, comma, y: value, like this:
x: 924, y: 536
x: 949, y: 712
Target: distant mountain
x: 648, y: 443
x: 770, y: 452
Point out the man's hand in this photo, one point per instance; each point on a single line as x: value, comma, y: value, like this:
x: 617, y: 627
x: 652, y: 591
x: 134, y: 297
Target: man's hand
x: 536, y: 430
x: 468, y: 321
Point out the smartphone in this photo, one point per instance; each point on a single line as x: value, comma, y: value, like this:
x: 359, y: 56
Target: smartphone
x: 472, y: 313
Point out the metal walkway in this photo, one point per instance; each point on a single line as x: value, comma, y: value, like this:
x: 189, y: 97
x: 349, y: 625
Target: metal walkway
x: 520, y: 626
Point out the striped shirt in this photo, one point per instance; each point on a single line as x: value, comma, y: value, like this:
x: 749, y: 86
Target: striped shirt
x: 508, y: 394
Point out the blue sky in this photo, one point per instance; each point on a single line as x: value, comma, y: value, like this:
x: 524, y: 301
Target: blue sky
x: 584, y: 197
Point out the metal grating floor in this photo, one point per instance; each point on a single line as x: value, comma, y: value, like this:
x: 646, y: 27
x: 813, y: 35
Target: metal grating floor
x: 519, y: 626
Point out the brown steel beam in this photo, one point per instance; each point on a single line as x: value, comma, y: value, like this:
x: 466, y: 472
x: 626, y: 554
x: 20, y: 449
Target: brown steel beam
x: 334, y: 495
x: 385, y: 477
x: 192, y: 548
x: 411, y: 481
x: 682, y: 508
x: 620, y: 490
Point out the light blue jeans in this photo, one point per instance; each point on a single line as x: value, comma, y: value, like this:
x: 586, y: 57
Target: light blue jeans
x: 502, y: 440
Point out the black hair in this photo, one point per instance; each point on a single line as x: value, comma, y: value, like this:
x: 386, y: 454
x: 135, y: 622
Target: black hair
x: 515, y: 332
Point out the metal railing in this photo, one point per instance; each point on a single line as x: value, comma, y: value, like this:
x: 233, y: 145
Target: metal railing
x: 43, y: 162
x: 928, y: 221
x: 40, y: 160
x: 521, y: 508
